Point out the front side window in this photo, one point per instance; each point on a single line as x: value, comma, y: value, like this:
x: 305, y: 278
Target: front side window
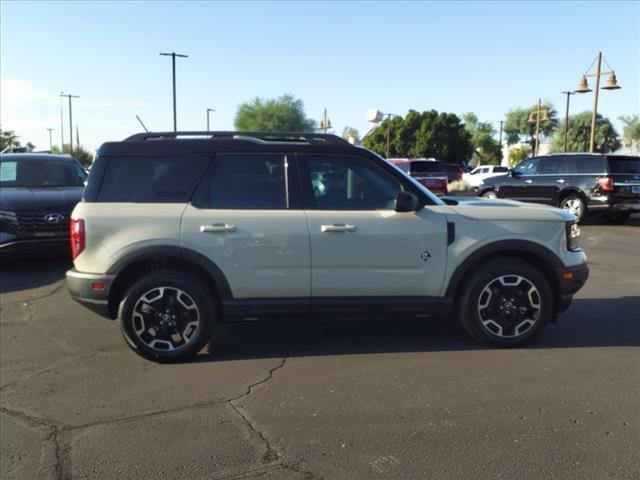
x: 485, y: 170
x: 351, y: 183
x: 528, y: 167
x: 249, y: 182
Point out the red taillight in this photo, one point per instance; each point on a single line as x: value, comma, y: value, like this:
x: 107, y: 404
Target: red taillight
x: 77, y: 237
x: 606, y: 184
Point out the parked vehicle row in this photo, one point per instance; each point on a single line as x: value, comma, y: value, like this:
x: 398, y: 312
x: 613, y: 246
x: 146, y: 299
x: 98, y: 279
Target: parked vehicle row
x: 175, y: 234
x: 580, y: 183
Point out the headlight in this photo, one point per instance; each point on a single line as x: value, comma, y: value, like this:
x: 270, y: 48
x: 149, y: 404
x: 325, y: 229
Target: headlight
x: 572, y: 234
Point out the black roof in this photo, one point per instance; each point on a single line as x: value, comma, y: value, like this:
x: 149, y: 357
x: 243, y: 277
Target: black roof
x: 183, y: 143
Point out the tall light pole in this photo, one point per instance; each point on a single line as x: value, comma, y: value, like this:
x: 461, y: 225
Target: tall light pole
x: 61, y: 124
x: 209, y: 110
x: 566, y: 119
x: 583, y: 87
x: 538, y: 116
x: 173, y: 56
x: 70, y: 121
x: 50, y: 141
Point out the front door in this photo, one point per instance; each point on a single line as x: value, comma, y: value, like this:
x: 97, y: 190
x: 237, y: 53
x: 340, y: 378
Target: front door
x: 360, y: 246
x: 521, y: 184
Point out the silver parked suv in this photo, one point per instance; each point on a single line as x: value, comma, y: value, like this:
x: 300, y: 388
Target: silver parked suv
x: 179, y: 231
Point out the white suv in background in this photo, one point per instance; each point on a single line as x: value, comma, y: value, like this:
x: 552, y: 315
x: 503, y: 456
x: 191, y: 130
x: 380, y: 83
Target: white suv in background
x: 478, y: 174
x: 178, y: 231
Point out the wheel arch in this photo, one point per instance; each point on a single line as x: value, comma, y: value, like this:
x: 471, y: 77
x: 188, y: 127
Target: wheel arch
x: 131, y: 267
x: 533, y: 253
x: 572, y: 191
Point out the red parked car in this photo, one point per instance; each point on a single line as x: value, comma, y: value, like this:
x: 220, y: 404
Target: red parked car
x: 430, y: 173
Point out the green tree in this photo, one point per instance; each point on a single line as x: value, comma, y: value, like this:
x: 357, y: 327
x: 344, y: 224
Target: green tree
x: 631, y: 131
x: 79, y: 153
x: 485, y: 145
x: 351, y: 132
x: 426, y: 134
x: 518, y: 129
x: 518, y: 154
x: 284, y: 114
x: 8, y: 139
x: 580, y: 131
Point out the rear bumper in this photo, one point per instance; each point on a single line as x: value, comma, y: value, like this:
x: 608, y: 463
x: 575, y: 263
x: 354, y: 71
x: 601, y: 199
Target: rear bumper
x: 81, y: 288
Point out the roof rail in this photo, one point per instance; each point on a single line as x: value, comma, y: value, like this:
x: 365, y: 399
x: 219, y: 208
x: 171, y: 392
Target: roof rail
x: 258, y: 137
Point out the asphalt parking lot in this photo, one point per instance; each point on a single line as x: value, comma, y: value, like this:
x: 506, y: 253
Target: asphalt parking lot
x: 356, y: 399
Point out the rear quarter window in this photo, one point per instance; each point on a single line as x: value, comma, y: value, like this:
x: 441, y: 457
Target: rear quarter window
x: 583, y: 165
x: 621, y: 165
x: 152, y: 179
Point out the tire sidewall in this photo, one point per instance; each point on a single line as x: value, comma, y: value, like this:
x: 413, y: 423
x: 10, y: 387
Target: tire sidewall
x: 470, y: 317
x: 168, y: 278
x: 490, y: 194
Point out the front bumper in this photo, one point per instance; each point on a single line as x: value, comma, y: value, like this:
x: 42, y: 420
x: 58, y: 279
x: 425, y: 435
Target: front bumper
x: 82, y: 289
x: 571, y: 279
x: 35, y: 246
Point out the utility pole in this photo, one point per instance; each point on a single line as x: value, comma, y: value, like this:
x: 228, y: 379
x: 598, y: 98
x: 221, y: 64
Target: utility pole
x: 500, y: 141
x: 209, y: 110
x: 61, y: 125
x: 566, y: 119
x: 70, y: 121
x: 534, y: 117
x: 173, y: 56
x: 50, y: 141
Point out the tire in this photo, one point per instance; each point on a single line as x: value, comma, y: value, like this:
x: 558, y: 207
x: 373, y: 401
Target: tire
x: 167, y: 316
x: 575, y: 204
x: 617, y: 218
x: 490, y: 194
x: 505, y: 303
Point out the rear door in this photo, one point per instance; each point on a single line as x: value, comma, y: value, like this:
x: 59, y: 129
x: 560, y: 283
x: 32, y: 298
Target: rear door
x: 360, y: 246
x: 548, y: 181
x: 247, y: 218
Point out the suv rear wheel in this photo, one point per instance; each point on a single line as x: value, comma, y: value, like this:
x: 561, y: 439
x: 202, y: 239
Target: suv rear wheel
x: 167, y: 316
x: 506, y: 303
x: 574, y: 203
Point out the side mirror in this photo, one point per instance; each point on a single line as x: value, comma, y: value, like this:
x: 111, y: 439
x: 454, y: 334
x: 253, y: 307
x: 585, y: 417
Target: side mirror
x: 406, y: 202
x: 515, y: 174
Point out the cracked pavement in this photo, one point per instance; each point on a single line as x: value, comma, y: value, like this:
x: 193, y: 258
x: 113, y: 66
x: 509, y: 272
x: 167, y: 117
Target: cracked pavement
x: 337, y: 399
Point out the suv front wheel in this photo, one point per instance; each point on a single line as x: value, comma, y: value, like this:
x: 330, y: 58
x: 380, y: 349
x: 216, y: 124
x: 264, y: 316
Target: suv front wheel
x: 506, y: 302
x: 167, y: 316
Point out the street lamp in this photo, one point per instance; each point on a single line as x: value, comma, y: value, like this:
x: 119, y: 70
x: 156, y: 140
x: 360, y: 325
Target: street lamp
x: 583, y: 87
x: 209, y: 110
x: 376, y: 116
x: 50, y: 141
x: 538, y: 116
x: 566, y: 119
x: 173, y: 56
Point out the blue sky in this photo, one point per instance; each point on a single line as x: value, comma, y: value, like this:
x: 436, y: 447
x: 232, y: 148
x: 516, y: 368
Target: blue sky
x: 485, y: 57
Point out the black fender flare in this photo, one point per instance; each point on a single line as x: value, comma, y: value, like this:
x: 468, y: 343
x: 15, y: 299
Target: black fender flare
x: 550, y: 262
x: 174, y: 251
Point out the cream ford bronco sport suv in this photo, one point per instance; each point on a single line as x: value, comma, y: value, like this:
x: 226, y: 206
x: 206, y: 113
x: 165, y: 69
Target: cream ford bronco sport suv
x: 179, y: 231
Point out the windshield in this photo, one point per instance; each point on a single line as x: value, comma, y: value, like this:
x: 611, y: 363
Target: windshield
x: 41, y: 174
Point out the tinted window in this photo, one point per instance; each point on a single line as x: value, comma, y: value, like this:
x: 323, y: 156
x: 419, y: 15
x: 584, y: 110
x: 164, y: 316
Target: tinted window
x: 549, y: 166
x: 500, y: 169
x: 350, y: 183
x: 152, y: 179
x: 528, y: 167
x: 427, y: 167
x: 248, y: 182
x: 403, y: 166
x: 583, y: 164
x: 624, y: 165
x: 41, y: 174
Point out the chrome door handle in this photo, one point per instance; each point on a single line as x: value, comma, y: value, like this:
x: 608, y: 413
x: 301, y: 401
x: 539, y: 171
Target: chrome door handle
x: 562, y: 180
x: 338, y: 227
x: 528, y: 181
x: 217, y: 228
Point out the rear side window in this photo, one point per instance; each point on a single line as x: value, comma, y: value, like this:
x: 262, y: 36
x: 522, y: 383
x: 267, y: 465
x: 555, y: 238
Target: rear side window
x: 629, y: 165
x: 427, y: 167
x: 248, y: 182
x: 500, y: 169
x: 549, y: 166
x: 583, y: 164
x: 152, y: 179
